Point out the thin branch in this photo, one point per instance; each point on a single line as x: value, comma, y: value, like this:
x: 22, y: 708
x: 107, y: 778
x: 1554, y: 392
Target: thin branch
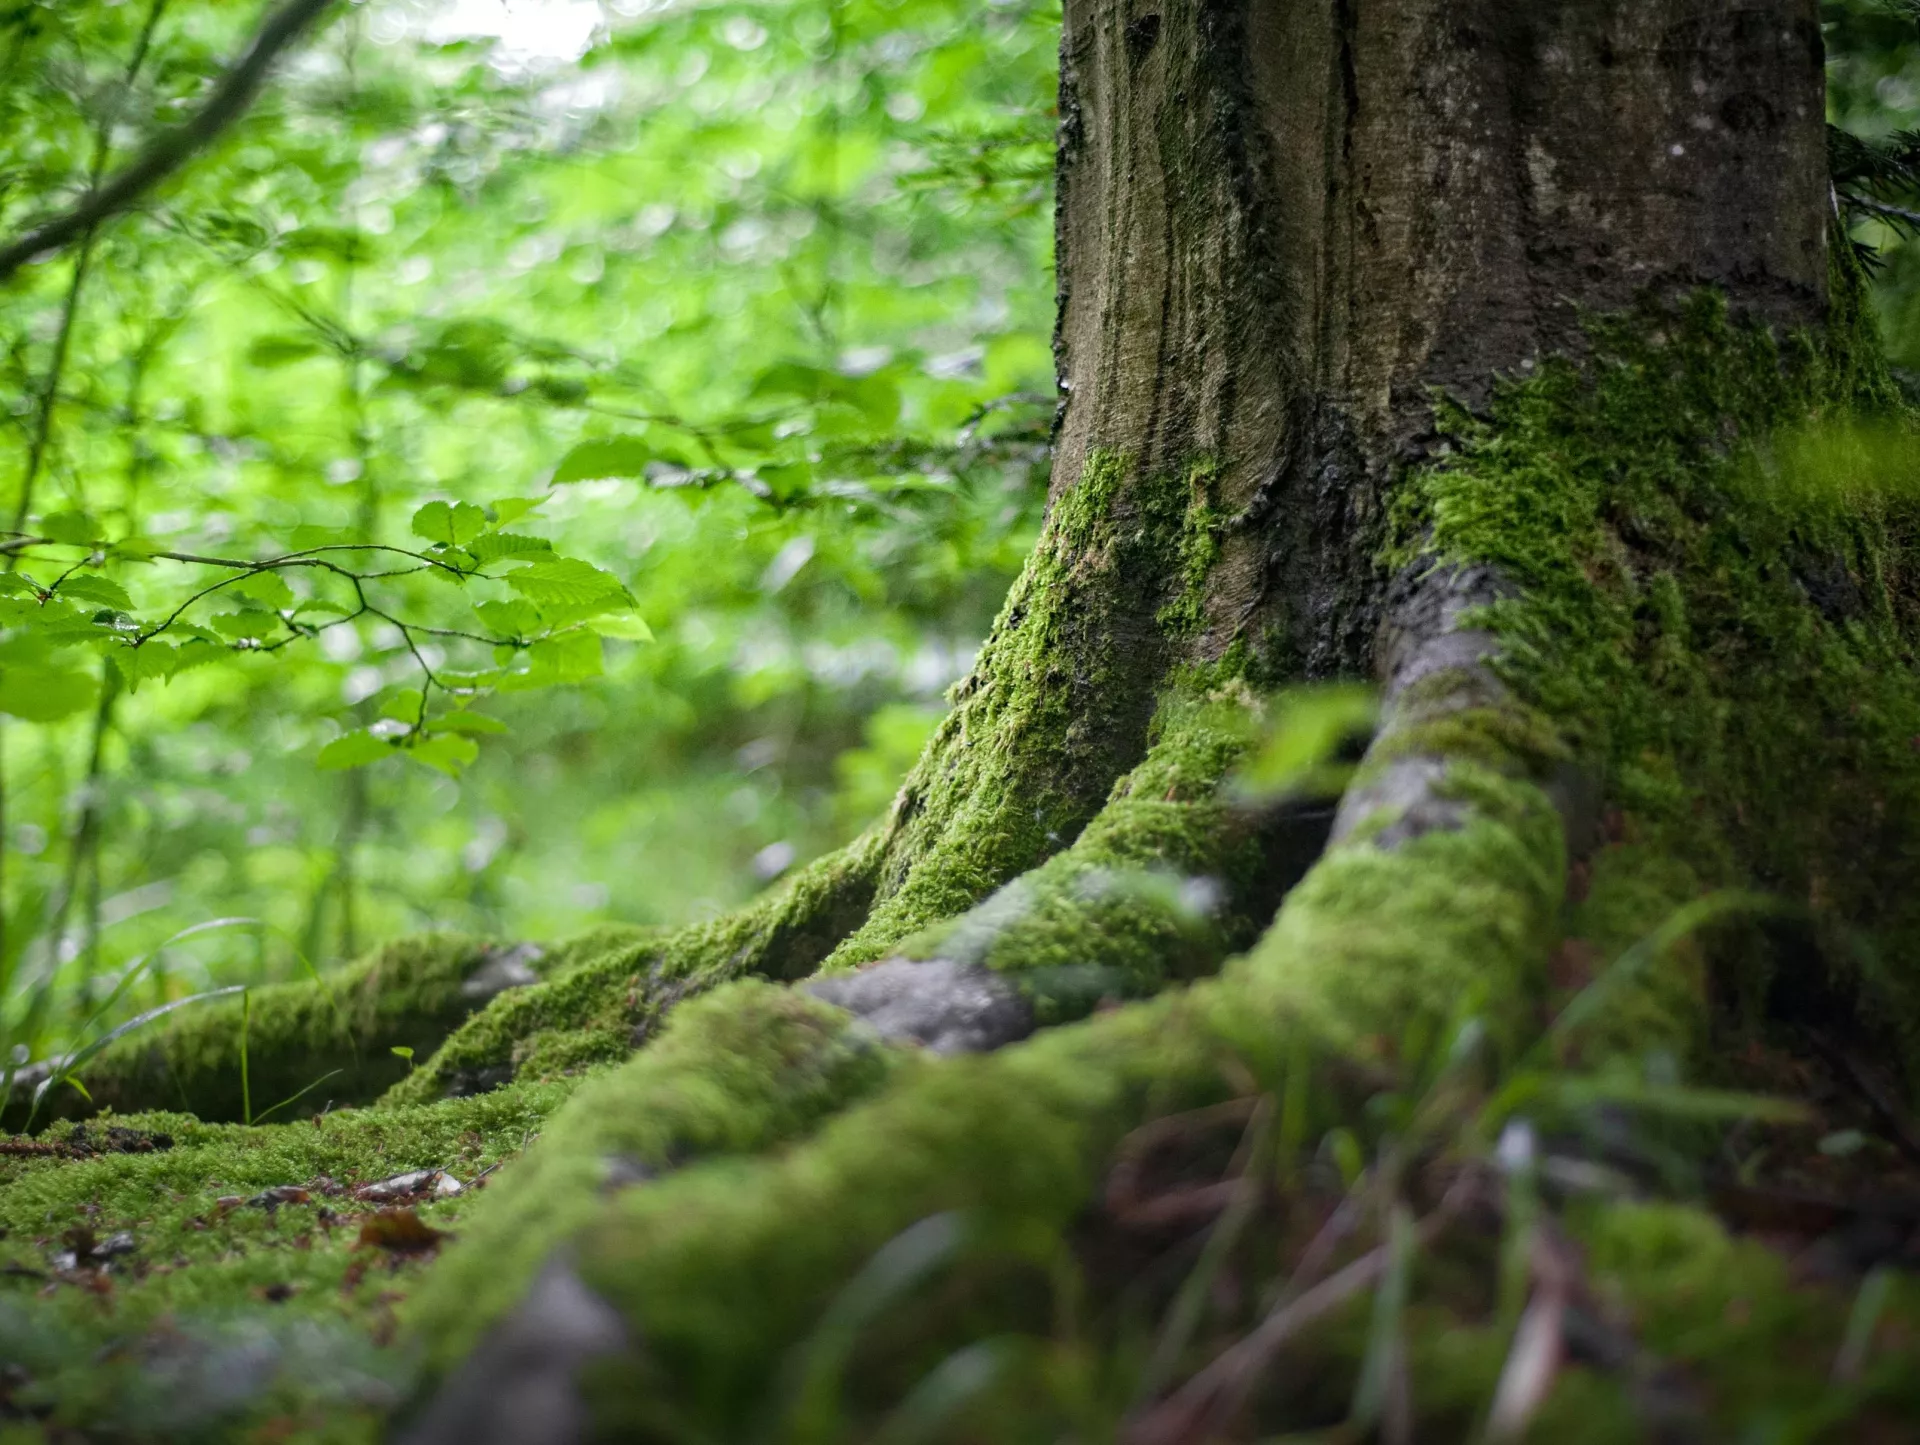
x: 168, y: 152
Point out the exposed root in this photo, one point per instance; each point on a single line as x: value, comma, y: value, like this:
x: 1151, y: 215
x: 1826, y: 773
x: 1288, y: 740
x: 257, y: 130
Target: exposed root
x: 610, y: 991
x: 1169, y: 879
x: 338, y: 1035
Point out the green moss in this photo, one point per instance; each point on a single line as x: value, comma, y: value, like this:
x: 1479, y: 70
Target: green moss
x: 1713, y: 600
x: 1167, y: 880
x: 337, y: 1036
x: 227, y: 1312
x: 1445, y: 926
x: 610, y: 990
x: 736, y: 1072
x: 1759, y: 1350
x: 1058, y: 705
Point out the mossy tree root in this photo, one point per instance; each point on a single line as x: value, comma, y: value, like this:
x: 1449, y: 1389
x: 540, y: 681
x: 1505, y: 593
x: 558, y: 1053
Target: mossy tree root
x: 1171, y: 877
x: 720, y: 1272
x: 335, y: 1038
x: 609, y: 991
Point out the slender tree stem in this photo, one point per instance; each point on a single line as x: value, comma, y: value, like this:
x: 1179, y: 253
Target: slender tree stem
x: 166, y: 153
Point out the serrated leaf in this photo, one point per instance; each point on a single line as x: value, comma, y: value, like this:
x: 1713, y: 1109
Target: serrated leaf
x: 74, y: 529
x: 489, y: 545
x: 353, y: 750
x: 454, y: 525
x: 105, y: 591
x: 623, y: 456
x: 447, y: 752
x: 509, y: 510
x: 269, y: 589
x: 574, y: 657
x: 44, y: 692
x: 249, y: 626
x: 15, y: 582
x: 509, y: 619
x: 627, y: 626
x: 473, y: 724
x: 403, y: 705
x: 146, y: 662
x: 322, y: 606
x: 568, y: 582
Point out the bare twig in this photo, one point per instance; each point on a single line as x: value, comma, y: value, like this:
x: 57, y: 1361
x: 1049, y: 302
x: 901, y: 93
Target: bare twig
x: 168, y: 152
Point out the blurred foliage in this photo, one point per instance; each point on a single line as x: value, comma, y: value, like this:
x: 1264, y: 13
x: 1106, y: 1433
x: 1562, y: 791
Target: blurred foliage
x: 544, y: 464
x: 1873, y: 101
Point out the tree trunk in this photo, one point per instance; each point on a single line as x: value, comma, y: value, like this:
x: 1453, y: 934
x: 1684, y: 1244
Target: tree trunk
x: 1473, y: 346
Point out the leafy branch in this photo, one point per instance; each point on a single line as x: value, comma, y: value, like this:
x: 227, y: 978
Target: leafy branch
x: 562, y: 607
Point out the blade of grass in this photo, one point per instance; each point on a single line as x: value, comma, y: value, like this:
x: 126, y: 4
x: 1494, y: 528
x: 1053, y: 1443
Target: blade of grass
x: 295, y: 1098
x: 68, y: 1066
x: 246, y: 1027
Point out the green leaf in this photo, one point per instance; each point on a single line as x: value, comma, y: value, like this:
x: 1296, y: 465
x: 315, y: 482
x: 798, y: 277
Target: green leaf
x: 472, y: 724
x: 146, y: 662
x: 627, y: 626
x: 571, y: 657
x: 453, y: 525
x: 283, y: 349
x: 251, y: 625
x: 87, y: 588
x: 306, y: 537
x: 568, y: 582
x: 403, y: 705
x: 1302, y: 755
x: 44, y: 692
x: 447, y: 752
x: 321, y: 607
x: 354, y: 750
x: 796, y: 379
x: 487, y: 547
x: 509, y: 619
x: 786, y: 480
x: 17, y: 582
x: 509, y: 510
x: 623, y: 456
x: 75, y: 529
x: 269, y: 589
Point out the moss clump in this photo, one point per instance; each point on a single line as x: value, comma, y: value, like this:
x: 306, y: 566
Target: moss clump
x: 1058, y: 705
x: 747, y: 1067
x: 228, y: 1310
x: 1163, y: 884
x: 1714, y: 601
x: 336, y: 1036
x: 610, y: 990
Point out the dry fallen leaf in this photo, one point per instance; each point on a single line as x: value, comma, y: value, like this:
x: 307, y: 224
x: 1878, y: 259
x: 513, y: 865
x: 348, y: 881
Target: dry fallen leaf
x: 400, y: 1231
